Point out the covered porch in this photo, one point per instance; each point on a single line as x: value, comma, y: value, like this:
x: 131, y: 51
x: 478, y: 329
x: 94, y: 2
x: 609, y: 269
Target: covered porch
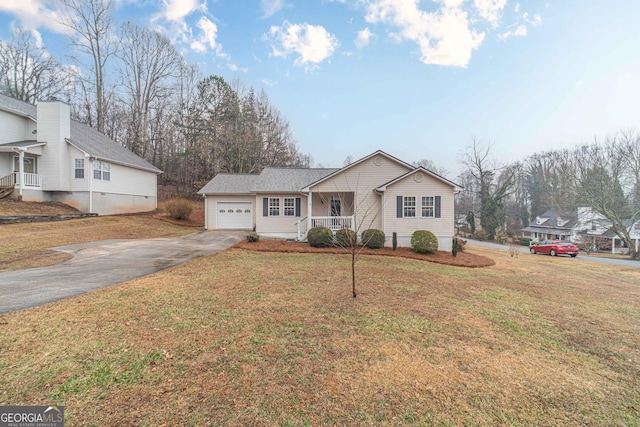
x: 331, y: 210
x: 19, y: 167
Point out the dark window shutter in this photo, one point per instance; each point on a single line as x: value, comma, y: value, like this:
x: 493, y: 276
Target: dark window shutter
x: 437, y: 206
x: 297, y: 206
x: 265, y: 206
x: 399, y: 207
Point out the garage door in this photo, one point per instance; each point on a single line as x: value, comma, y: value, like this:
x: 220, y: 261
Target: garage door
x: 235, y: 215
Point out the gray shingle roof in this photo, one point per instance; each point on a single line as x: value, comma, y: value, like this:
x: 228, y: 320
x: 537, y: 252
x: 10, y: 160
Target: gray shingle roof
x: 225, y: 183
x: 85, y: 138
x: 288, y: 180
x: 101, y: 146
x: 270, y: 180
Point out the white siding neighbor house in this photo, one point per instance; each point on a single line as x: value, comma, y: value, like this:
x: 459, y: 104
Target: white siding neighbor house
x: 46, y: 156
x: 378, y: 191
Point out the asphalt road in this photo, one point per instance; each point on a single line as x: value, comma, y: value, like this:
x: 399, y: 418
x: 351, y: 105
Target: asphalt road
x: 99, y: 264
x: 615, y: 261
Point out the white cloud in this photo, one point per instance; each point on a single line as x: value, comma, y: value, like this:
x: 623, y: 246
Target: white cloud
x: 271, y: 7
x: 363, y: 38
x: 33, y: 14
x: 490, y: 10
x: 444, y: 36
x: 177, y: 10
x: 313, y: 43
x: 520, y: 29
x: 207, y: 38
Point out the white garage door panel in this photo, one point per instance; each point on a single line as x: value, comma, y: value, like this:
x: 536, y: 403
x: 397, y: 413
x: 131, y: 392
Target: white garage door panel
x: 235, y: 215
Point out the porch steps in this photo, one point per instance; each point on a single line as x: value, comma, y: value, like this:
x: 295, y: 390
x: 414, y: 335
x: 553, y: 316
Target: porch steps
x: 5, y: 191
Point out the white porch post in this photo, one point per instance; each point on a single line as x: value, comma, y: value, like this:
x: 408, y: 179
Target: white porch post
x: 21, y: 172
x: 309, y: 210
x: 613, y: 245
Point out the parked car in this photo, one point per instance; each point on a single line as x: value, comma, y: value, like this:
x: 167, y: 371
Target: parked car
x: 554, y: 248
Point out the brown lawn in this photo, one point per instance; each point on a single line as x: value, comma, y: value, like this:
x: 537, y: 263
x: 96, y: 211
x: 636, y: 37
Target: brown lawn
x: 272, y: 338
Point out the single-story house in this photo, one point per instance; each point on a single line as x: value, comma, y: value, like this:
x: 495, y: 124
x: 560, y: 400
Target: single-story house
x: 617, y: 245
x: 378, y: 191
x: 46, y: 156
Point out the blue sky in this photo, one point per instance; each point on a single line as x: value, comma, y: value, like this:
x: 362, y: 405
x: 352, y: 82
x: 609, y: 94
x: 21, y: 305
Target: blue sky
x: 417, y: 79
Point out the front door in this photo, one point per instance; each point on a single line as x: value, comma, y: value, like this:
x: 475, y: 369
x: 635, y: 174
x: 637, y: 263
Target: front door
x: 336, y: 207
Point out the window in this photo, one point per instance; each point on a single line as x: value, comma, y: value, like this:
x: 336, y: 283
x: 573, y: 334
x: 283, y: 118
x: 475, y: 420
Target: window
x: 594, y: 226
x: 274, y: 206
x: 101, y: 170
x: 79, y: 168
x: 289, y: 206
x: 428, y: 206
x: 409, y: 207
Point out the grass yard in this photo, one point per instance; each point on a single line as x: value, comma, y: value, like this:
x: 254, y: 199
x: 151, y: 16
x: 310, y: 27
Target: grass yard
x: 256, y: 338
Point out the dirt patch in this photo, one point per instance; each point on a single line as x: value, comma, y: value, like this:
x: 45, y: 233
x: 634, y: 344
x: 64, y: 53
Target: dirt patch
x: 464, y: 259
x: 12, y: 207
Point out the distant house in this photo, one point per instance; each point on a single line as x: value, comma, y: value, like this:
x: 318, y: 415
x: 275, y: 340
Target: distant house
x: 46, y: 156
x: 378, y: 191
x: 581, y: 226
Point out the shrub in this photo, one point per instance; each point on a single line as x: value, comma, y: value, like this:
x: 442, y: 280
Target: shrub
x: 525, y: 241
x: 461, y: 244
x: 346, y: 238
x: 178, y: 208
x: 320, y: 237
x: 480, y: 235
x: 454, y: 247
x: 424, y: 242
x: 252, y: 237
x: 373, y: 238
x: 394, y: 241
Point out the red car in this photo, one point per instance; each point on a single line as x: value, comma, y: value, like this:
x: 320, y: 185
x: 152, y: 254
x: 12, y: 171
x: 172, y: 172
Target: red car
x: 554, y: 248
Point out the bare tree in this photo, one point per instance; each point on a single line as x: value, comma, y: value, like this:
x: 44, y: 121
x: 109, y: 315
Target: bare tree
x: 28, y: 72
x: 91, y: 25
x: 492, y: 186
x: 600, y: 176
x: 149, y: 68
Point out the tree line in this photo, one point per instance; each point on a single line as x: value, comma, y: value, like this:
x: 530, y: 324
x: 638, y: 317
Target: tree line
x: 603, y: 175
x: 130, y: 83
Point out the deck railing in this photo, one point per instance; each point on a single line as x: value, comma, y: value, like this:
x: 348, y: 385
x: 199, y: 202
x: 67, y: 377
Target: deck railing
x: 334, y: 223
x: 8, y: 180
x: 30, y: 179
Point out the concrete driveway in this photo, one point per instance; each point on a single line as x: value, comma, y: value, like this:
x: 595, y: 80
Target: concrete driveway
x: 108, y: 262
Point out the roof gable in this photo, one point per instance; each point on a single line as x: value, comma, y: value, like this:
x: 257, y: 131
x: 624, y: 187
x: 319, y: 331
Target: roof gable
x: 417, y: 171
x: 357, y: 162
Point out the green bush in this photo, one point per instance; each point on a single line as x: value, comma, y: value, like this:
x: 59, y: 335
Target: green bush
x: 320, y: 237
x: 373, y: 238
x: 424, y: 242
x: 252, y: 237
x: 346, y: 238
x: 454, y: 246
x: 394, y: 241
x: 525, y: 241
x: 178, y: 208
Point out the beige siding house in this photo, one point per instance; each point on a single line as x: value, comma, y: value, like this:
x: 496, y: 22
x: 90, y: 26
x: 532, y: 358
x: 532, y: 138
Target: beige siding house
x: 378, y: 191
x: 46, y: 156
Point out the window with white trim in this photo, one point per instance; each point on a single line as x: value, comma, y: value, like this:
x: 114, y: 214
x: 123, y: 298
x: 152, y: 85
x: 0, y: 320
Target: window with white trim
x: 428, y: 206
x: 101, y: 170
x: 409, y: 207
x: 289, y: 206
x: 79, y: 169
x: 274, y: 206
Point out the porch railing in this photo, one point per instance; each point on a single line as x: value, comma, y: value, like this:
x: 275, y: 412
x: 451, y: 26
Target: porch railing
x: 334, y: 223
x: 30, y: 179
x: 8, y: 180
